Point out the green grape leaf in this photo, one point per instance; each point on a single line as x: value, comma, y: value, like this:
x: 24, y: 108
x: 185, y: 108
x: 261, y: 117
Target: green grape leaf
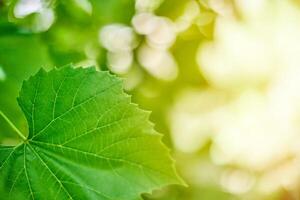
x: 86, y: 140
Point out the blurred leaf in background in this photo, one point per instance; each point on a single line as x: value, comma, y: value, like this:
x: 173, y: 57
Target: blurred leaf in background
x: 21, y: 55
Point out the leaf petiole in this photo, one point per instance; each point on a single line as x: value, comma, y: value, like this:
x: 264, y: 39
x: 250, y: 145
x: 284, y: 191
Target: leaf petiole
x: 13, y: 126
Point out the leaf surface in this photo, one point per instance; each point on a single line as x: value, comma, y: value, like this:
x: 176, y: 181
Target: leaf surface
x: 86, y: 141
